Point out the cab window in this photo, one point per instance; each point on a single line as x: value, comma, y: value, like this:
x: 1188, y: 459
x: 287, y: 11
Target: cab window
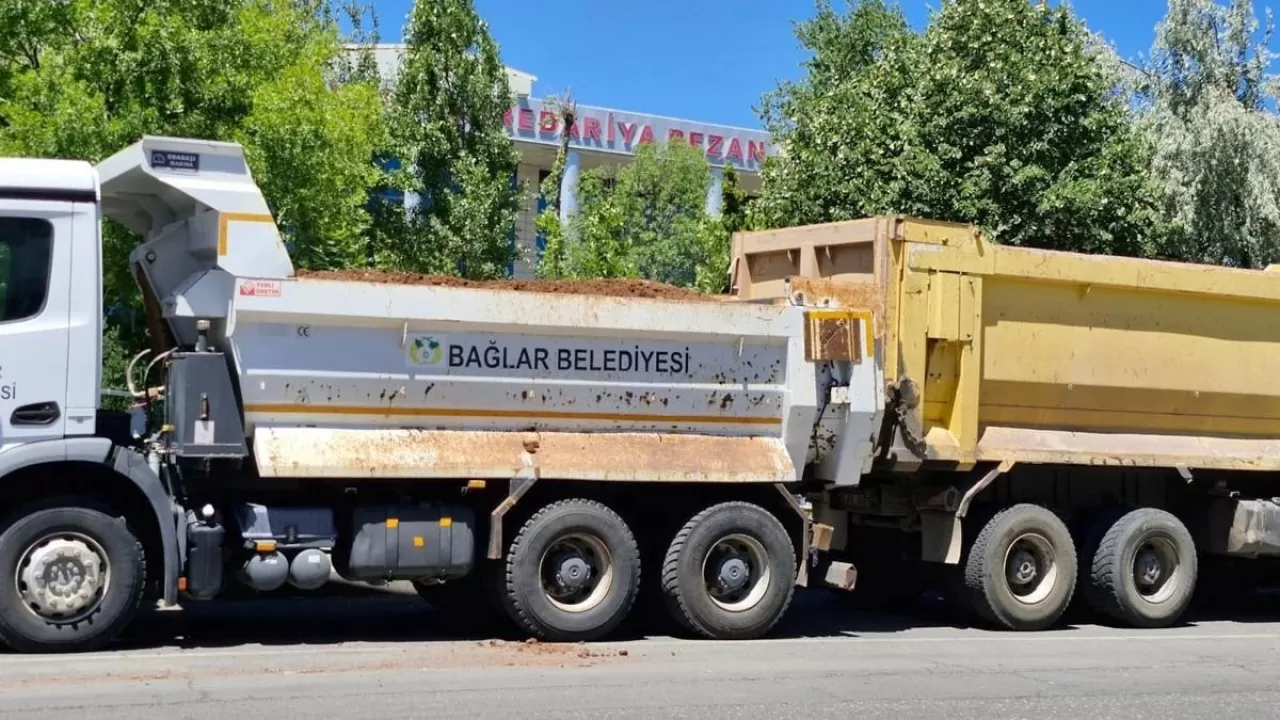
x: 26, y: 249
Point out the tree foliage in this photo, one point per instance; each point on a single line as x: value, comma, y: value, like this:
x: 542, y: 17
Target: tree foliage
x: 84, y: 78
x: 840, y: 128
x: 998, y: 113
x: 1208, y: 108
x: 737, y: 213
x: 450, y: 98
x: 646, y: 219
x: 547, y: 223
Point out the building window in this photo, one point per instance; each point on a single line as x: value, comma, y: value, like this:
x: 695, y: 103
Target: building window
x: 26, y: 253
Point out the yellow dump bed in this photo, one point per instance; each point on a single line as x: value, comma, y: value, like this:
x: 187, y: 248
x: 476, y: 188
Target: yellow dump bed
x: 1047, y: 357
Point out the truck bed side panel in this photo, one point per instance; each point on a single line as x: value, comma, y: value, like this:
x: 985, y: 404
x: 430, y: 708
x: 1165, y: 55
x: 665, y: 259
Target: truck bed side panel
x: 678, y: 379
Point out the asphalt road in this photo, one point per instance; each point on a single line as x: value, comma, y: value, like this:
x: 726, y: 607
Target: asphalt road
x: 361, y: 657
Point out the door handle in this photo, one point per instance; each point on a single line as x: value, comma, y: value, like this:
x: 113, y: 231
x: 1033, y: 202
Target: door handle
x: 45, y: 413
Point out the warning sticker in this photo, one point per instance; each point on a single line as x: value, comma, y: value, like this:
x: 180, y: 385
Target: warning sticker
x: 260, y: 288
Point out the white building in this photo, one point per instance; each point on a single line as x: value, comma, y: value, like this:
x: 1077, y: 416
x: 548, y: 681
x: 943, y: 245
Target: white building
x: 601, y: 137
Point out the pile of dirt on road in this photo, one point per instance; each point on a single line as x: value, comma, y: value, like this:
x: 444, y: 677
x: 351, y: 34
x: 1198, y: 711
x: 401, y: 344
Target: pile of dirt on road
x: 613, y: 287
x: 532, y: 653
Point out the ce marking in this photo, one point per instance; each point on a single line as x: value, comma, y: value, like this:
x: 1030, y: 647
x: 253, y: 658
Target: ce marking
x: 304, y: 331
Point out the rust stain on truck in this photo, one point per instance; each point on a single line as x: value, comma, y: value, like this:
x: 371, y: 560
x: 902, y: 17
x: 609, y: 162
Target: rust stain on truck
x: 440, y: 454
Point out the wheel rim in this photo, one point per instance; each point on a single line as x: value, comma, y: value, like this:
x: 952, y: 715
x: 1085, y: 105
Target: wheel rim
x: 1157, y: 568
x: 62, y: 577
x: 1030, y: 568
x: 576, y: 572
x: 736, y: 572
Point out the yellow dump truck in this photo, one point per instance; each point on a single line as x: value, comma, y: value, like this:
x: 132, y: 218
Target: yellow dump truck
x: 1056, y: 425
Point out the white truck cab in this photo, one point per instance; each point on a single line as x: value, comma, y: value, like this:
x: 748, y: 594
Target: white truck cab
x: 50, y: 300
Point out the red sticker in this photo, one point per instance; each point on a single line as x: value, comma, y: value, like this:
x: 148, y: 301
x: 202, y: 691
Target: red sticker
x: 260, y: 288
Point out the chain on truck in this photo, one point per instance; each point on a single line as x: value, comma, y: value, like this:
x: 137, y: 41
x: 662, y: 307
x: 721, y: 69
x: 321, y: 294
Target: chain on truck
x: 878, y: 403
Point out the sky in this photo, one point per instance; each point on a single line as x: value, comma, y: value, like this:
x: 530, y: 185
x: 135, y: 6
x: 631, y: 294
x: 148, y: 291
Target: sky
x: 703, y: 60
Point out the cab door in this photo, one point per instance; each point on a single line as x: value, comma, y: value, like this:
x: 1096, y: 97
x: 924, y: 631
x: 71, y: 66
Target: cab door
x: 35, y: 262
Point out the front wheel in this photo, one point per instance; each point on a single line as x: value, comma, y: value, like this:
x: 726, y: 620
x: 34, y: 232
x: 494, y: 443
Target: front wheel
x: 1021, y: 569
x: 572, y: 573
x: 730, y: 572
x: 77, y: 578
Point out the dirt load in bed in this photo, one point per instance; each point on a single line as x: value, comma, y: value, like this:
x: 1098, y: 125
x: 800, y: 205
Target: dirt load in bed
x: 613, y: 287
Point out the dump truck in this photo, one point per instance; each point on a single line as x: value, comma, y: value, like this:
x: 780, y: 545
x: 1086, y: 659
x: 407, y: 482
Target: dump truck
x: 873, y: 403
x: 1058, y: 428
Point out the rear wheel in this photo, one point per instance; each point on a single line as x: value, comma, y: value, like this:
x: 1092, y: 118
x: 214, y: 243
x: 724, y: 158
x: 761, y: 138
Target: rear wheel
x: 1143, y: 572
x: 1021, y: 570
x: 573, y: 572
x: 729, y: 574
x: 75, y: 579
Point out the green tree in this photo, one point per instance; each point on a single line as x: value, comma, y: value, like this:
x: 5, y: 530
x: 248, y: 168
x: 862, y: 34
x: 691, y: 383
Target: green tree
x: 841, y: 128
x: 735, y: 205
x: 645, y: 219
x: 84, y: 78
x: 1209, y: 112
x: 736, y: 214
x: 450, y: 99
x: 547, y: 223
x: 1001, y: 113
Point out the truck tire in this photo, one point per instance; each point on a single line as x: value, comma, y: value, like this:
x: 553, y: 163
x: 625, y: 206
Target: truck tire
x: 1021, y: 569
x: 75, y: 578
x: 572, y: 572
x: 1143, y: 572
x: 729, y: 574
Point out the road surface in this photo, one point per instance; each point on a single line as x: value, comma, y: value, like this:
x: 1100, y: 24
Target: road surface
x: 359, y: 657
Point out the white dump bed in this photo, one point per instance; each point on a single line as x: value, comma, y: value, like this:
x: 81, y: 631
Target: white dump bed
x: 459, y: 381
x: 368, y: 379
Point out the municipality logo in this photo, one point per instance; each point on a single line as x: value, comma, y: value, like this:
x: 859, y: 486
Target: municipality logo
x: 426, y: 350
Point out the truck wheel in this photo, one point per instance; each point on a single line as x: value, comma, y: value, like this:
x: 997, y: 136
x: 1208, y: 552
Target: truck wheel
x: 1144, y: 570
x: 729, y: 574
x: 1021, y: 569
x: 77, y: 579
x: 572, y: 573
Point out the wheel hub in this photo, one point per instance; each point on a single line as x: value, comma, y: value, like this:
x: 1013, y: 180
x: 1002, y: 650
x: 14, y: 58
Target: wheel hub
x: 573, y: 573
x: 576, y: 572
x: 1149, y: 568
x: 734, y: 574
x: 62, y: 578
x: 1023, y: 568
x: 1030, y: 568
